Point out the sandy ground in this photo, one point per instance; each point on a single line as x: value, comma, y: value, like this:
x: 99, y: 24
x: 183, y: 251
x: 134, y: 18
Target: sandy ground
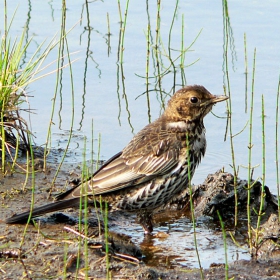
x: 54, y: 249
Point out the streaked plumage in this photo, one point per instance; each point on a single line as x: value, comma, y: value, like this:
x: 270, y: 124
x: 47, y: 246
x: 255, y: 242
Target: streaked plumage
x: 153, y: 167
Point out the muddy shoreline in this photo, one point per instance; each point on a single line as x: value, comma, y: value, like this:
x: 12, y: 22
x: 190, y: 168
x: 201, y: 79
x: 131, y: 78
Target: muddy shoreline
x: 52, y: 248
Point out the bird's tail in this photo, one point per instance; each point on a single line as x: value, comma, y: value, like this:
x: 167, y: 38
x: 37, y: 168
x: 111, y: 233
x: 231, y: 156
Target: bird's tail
x: 39, y: 211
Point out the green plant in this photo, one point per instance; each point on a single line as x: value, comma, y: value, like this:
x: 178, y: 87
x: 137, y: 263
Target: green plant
x: 15, y: 77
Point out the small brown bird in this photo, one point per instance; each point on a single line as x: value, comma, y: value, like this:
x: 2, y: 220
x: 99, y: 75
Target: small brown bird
x: 154, y: 167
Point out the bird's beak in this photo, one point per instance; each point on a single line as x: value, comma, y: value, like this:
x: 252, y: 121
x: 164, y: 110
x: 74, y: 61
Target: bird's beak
x: 215, y: 99
x: 219, y: 98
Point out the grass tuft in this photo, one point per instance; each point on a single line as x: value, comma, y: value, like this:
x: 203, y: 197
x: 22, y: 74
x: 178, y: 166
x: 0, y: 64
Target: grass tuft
x: 15, y: 77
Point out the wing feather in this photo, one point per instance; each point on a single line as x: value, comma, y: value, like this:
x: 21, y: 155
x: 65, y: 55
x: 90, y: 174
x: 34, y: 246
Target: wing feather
x: 149, y: 154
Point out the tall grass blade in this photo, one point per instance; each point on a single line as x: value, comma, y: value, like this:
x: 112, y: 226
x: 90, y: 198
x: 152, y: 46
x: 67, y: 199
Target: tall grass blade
x: 250, y: 147
x: 277, y: 148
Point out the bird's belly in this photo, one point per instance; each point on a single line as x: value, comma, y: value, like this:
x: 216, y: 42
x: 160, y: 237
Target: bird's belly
x: 156, y: 193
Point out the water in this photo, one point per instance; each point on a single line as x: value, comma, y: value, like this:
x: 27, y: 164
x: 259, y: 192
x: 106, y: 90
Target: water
x: 98, y: 99
x: 176, y: 247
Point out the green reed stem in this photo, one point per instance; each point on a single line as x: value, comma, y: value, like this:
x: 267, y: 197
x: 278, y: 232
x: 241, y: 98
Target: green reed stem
x: 3, y: 141
x: 170, y: 30
x: 227, y: 33
x: 92, y: 170
x: 250, y: 146
x: 225, y: 244
x: 26, y: 173
x: 3, y: 150
x: 65, y: 40
x: 260, y: 212
x: 106, y: 233
x: 147, y: 71
x: 92, y: 148
x: 157, y: 53
x: 182, y: 63
x: 246, y: 72
x: 83, y: 214
x: 16, y: 154
x: 276, y: 148
x: 98, y: 151
x: 123, y: 30
x: 169, y: 45
x: 192, y: 205
x: 97, y: 166
x: 85, y: 208
x: 32, y: 188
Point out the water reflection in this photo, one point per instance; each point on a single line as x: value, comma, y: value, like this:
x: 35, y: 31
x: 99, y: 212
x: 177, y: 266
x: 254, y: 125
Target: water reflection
x: 108, y: 35
x: 172, y: 244
x: 228, y: 43
x: 120, y: 67
x: 27, y: 23
x: 87, y: 29
x: 160, y: 42
x: 63, y: 41
x: 51, y: 8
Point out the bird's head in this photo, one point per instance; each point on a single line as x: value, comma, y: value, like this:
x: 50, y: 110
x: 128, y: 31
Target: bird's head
x: 191, y: 103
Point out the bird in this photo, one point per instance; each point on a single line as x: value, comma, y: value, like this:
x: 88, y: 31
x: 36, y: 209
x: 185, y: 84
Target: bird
x: 156, y: 165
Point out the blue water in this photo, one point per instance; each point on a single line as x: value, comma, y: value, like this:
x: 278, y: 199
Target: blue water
x: 96, y: 92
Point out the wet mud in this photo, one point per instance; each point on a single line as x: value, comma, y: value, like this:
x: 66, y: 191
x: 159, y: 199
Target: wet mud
x: 57, y: 246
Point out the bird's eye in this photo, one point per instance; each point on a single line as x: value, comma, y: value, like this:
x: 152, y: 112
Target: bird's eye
x: 194, y: 99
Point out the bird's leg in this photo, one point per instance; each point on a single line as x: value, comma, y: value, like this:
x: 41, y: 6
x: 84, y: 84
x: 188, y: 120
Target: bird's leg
x: 145, y: 220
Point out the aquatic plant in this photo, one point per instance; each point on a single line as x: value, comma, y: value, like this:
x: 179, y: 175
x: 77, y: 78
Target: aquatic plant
x: 16, y: 74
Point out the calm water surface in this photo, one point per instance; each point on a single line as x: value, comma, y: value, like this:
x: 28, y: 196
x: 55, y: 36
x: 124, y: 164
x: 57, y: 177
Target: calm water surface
x: 98, y: 90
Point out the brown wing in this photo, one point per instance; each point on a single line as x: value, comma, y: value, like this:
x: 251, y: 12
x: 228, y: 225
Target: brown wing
x: 150, y: 153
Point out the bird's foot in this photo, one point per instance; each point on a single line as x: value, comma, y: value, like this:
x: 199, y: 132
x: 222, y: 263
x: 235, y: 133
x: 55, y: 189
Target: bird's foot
x: 145, y: 220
